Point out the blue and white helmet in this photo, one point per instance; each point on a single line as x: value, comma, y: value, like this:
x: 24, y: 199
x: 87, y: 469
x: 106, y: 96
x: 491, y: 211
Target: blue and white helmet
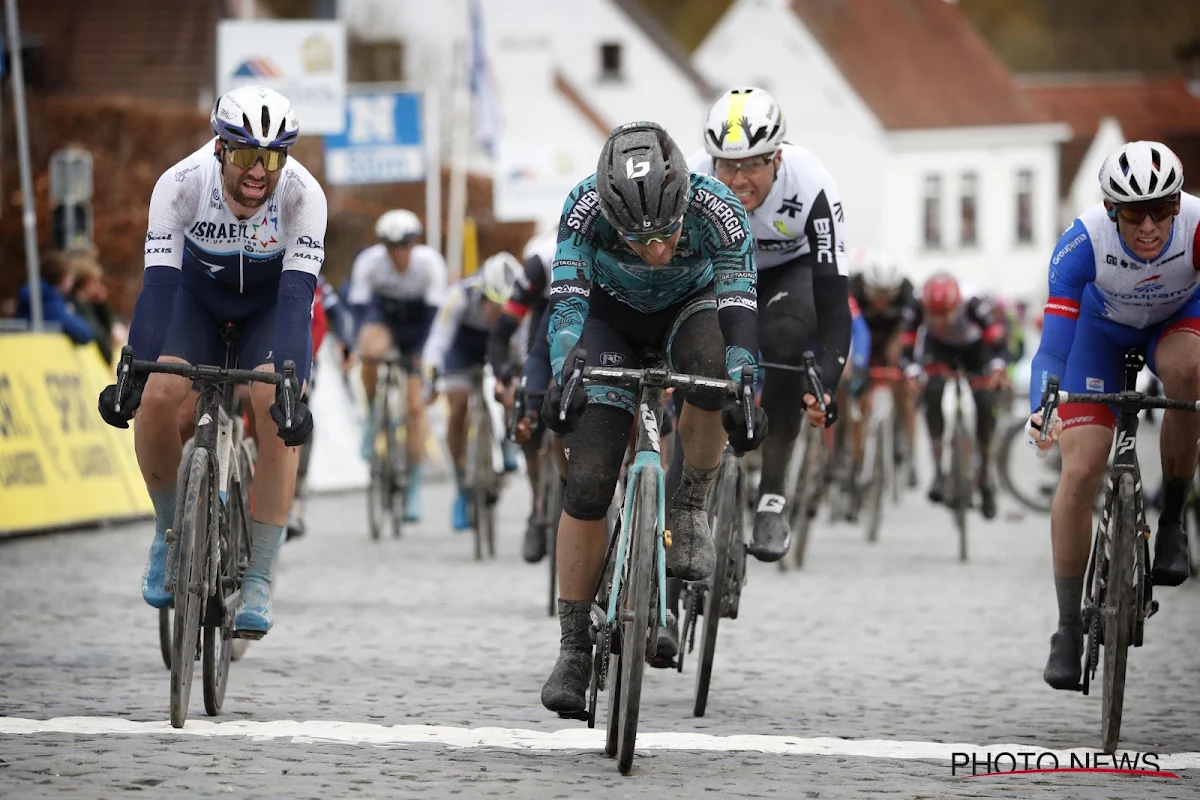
x: 251, y: 116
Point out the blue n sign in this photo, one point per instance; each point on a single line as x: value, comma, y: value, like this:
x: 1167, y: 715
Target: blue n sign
x: 383, y: 142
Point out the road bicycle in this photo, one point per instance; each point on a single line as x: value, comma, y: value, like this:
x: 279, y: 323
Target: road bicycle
x: 631, y: 602
x: 389, y: 454
x: 1118, y: 591
x: 208, y: 545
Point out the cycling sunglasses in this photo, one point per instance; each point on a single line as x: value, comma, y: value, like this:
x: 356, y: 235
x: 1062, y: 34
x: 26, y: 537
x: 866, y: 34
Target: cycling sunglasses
x: 247, y: 157
x: 1134, y: 213
x: 655, y: 236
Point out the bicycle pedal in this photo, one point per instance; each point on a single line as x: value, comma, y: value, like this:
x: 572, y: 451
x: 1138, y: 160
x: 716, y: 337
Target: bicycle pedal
x: 253, y: 636
x: 1152, y: 610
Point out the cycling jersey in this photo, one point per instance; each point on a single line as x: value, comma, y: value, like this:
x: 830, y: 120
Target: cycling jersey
x: 801, y: 215
x: 458, y: 338
x: 230, y: 269
x: 975, y: 322
x: 714, y: 246
x: 411, y: 296
x: 885, y: 323
x: 1098, y: 284
x: 531, y: 293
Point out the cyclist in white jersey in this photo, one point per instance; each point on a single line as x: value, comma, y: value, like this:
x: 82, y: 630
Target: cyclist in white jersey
x: 236, y: 235
x: 396, y: 288
x: 457, y: 344
x: 803, y: 278
x: 1125, y: 274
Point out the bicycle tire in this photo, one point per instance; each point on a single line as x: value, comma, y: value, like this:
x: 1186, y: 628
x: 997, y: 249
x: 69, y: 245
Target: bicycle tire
x: 726, y: 526
x: 960, y: 460
x: 218, y: 643
x: 192, y: 549
x: 877, y: 487
x: 1193, y: 503
x: 397, y: 459
x: 1118, y: 615
x: 1006, y: 446
x: 636, y: 628
x: 552, y: 500
x: 491, y: 482
x: 247, y: 454
x: 378, y: 498
x: 164, y: 635
x: 807, y: 493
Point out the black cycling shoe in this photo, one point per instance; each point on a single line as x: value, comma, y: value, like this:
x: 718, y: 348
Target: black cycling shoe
x: 565, y: 691
x: 535, y: 542
x: 1170, y: 554
x: 772, y: 533
x: 937, y: 490
x: 987, y: 501
x: 668, y: 644
x: 1064, y: 668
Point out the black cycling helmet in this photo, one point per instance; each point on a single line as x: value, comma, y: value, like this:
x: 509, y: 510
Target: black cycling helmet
x: 641, y: 179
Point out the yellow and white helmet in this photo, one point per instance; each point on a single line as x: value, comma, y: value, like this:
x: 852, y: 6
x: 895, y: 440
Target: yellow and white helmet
x: 500, y: 275
x: 745, y: 122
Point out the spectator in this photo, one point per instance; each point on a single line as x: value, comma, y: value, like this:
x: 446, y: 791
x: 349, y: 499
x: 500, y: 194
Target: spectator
x: 90, y: 297
x: 57, y: 279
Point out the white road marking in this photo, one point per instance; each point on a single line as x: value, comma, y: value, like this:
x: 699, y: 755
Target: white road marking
x: 579, y: 738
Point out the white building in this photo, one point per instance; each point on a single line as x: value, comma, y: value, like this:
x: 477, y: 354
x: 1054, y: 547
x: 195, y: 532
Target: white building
x: 1105, y: 111
x: 566, y: 72
x: 939, y: 156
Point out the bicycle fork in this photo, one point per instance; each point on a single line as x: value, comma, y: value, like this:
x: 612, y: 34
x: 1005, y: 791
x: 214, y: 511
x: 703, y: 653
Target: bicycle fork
x: 646, y: 459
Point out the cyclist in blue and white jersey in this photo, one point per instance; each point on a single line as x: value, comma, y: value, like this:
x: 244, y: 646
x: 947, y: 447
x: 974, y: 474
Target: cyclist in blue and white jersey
x: 649, y: 256
x: 396, y: 288
x: 1125, y: 274
x: 236, y: 234
x: 458, y: 344
x: 530, y: 301
x: 803, y: 279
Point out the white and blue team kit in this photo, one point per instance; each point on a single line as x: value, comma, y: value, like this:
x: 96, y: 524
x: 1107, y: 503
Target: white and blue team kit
x: 205, y: 268
x: 1104, y: 299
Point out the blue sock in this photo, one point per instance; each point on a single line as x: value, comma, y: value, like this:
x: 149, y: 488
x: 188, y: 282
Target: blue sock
x: 264, y: 544
x: 164, y: 508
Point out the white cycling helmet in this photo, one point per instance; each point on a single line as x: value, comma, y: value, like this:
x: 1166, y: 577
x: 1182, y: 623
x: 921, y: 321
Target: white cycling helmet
x: 745, y: 122
x: 251, y: 116
x: 500, y: 274
x: 1141, y: 171
x: 398, y: 226
x: 882, y: 274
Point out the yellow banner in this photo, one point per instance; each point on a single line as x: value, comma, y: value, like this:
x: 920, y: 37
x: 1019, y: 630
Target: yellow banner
x: 59, y: 463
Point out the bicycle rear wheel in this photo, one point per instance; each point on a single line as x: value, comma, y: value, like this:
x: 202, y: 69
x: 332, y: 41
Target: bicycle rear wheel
x: 875, y: 490
x: 727, y: 533
x: 164, y: 635
x: 1037, y: 493
x: 192, y: 548
x: 960, y: 479
x: 635, y: 614
x: 1118, y: 611
x: 484, y: 485
x: 397, y: 459
x: 552, y: 500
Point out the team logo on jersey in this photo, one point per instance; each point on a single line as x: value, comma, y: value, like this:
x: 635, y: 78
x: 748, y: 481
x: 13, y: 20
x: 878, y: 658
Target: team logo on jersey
x: 1148, y: 284
x: 790, y: 206
x: 781, y: 226
x: 611, y: 359
x: 1094, y: 385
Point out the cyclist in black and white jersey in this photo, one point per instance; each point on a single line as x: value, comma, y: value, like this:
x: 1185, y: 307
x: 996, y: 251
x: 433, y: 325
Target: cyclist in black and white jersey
x: 396, y: 288
x: 528, y: 304
x: 235, y: 235
x: 797, y: 224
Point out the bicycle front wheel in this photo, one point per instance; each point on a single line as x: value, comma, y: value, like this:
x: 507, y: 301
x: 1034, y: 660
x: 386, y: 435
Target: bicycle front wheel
x: 379, y: 491
x: 484, y: 488
x: 875, y: 489
x: 552, y: 500
x: 218, y: 642
x: 960, y: 479
x: 192, y: 556
x: 1118, y: 611
x: 806, y: 494
x: 727, y: 533
x: 635, y: 614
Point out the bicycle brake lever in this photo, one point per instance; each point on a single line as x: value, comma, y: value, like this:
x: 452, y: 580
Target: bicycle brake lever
x: 1049, y: 409
x: 123, y: 369
x: 814, y: 379
x: 748, y: 400
x: 572, y: 383
x: 289, y: 391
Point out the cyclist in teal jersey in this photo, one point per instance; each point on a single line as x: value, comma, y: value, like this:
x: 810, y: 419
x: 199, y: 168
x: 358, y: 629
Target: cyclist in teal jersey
x: 650, y: 257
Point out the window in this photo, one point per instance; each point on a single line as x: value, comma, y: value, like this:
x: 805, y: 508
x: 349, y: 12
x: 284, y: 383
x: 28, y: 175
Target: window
x: 1025, y: 206
x: 932, y: 211
x: 968, y: 198
x: 610, y: 61
x: 375, y: 62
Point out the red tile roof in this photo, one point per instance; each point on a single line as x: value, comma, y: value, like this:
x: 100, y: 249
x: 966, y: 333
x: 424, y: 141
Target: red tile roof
x: 1159, y: 109
x: 917, y: 63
